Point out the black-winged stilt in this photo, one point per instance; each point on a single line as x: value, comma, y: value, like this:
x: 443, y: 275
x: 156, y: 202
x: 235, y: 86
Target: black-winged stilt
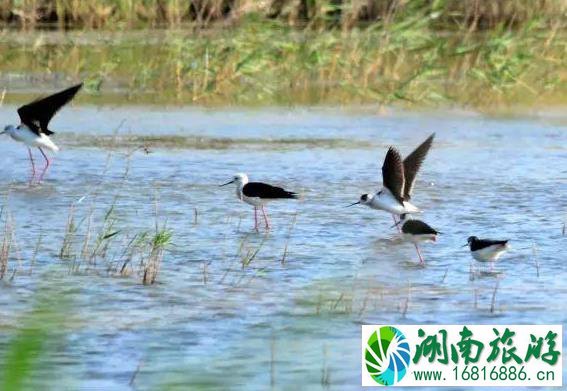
x: 258, y: 194
x: 398, y: 178
x: 417, y: 231
x: 486, y: 250
x: 33, y: 130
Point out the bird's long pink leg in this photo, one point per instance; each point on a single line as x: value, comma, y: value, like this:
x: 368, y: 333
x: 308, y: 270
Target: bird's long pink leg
x: 47, y: 163
x: 266, y: 218
x: 256, y: 218
x: 32, y: 166
x: 396, y: 223
x: 421, y: 261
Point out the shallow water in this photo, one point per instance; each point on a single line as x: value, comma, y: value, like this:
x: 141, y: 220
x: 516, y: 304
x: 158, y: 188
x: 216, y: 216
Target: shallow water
x: 272, y: 323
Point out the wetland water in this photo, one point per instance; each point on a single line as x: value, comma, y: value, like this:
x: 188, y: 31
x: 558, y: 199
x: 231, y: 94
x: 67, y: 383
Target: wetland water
x: 268, y: 323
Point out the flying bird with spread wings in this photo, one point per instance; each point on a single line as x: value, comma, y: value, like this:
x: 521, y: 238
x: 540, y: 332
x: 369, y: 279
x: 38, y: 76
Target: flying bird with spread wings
x: 33, y: 130
x: 398, y: 178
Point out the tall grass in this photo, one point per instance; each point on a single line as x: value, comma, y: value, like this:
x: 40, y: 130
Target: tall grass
x: 267, y: 62
x: 345, y: 14
x: 472, y: 52
x: 96, y: 243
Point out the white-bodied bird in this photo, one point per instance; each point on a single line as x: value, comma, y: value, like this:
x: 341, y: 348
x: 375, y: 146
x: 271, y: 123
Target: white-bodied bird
x: 398, y: 178
x: 33, y: 130
x: 486, y: 250
x: 258, y: 194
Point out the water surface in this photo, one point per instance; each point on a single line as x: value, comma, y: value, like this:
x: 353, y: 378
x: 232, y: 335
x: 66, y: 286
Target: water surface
x: 209, y: 320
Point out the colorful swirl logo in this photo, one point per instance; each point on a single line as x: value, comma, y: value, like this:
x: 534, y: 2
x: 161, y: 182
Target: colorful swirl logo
x: 387, y: 355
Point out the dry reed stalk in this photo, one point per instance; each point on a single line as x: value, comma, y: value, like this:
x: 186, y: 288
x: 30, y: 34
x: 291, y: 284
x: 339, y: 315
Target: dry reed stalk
x: 493, y: 301
x: 18, y: 254
x: 205, y: 273
x: 536, y: 258
x: 325, y: 373
x: 6, y: 246
x: 35, y: 252
x: 70, y: 231
x: 289, y: 232
x: 445, y: 275
x: 475, y: 296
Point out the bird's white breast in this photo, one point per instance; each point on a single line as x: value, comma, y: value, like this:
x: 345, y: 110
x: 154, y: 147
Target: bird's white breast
x: 386, y: 201
x: 489, y: 254
x: 420, y: 238
x: 24, y: 135
x: 254, y: 201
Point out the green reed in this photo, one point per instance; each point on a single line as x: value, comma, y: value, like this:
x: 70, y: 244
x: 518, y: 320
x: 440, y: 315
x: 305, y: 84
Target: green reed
x: 412, y: 57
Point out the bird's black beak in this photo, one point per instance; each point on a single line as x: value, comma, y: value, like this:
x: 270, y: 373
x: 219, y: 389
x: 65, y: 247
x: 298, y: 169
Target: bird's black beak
x: 353, y: 204
x: 395, y: 225
x: 465, y: 245
x: 227, y: 183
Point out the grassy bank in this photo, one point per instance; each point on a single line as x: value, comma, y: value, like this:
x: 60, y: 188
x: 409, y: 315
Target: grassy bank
x: 314, y: 14
x: 430, y: 53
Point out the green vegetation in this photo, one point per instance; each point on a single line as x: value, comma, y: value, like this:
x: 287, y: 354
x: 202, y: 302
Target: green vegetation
x: 313, y: 14
x: 26, y: 361
x: 115, y: 251
x: 300, y: 52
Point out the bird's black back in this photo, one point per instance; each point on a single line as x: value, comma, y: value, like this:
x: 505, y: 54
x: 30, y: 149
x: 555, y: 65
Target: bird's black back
x: 37, y: 114
x: 418, y: 227
x: 479, y: 244
x: 263, y: 190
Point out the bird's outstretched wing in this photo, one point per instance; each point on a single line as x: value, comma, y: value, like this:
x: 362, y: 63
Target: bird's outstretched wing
x: 393, y: 174
x: 412, y: 164
x: 37, y: 114
x: 263, y: 190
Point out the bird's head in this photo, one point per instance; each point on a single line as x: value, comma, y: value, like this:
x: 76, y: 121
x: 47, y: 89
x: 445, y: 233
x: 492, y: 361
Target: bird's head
x: 364, y: 199
x: 470, y: 240
x: 239, y: 179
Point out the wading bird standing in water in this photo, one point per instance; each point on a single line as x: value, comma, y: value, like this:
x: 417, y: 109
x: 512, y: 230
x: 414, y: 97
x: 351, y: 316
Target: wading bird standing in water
x: 33, y: 130
x: 486, y: 250
x: 417, y: 231
x: 398, y: 178
x: 258, y: 194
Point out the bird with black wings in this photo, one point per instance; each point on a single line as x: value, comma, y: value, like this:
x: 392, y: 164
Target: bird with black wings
x: 33, y: 131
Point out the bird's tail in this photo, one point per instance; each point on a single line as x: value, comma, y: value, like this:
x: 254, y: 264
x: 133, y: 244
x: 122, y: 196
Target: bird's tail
x: 47, y: 143
x: 293, y: 195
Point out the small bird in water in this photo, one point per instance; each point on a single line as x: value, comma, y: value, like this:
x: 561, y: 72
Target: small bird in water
x: 33, y: 130
x: 398, y: 178
x: 417, y: 231
x: 486, y: 250
x: 258, y: 194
